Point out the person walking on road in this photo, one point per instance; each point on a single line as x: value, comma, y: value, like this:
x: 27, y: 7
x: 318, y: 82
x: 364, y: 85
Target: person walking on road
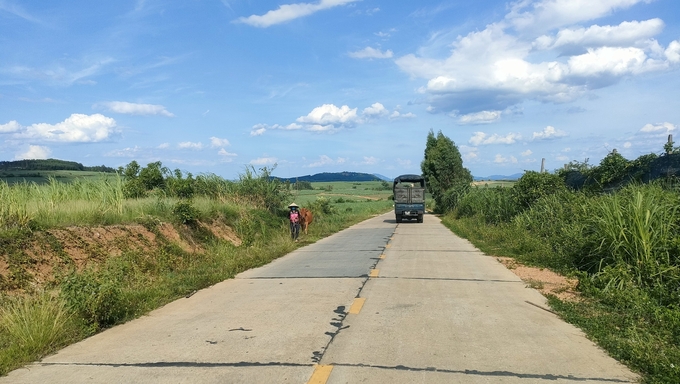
x: 294, y: 218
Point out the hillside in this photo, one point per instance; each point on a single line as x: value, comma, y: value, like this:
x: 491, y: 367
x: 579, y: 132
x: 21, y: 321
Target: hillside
x: 327, y: 177
x: 51, y: 165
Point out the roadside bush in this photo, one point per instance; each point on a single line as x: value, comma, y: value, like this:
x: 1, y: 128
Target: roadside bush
x: 97, y: 298
x: 534, y: 185
x: 185, y: 212
x: 322, y: 205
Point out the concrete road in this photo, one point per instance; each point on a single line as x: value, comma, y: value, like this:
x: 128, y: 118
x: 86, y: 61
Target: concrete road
x: 377, y: 303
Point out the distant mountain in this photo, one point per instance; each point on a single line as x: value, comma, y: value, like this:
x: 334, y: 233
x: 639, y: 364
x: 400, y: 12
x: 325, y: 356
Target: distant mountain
x: 499, y: 177
x: 327, y: 177
x: 381, y: 177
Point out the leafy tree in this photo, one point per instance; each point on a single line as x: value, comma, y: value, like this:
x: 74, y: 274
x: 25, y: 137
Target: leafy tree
x: 446, y: 178
x: 612, y: 168
x: 534, y: 185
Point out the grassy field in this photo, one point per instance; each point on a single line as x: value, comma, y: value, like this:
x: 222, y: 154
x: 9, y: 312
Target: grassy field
x: 40, y: 316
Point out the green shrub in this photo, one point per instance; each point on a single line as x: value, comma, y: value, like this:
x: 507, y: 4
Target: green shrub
x: 185, y: 212
x: 534, y: 185
x: 95, y: 297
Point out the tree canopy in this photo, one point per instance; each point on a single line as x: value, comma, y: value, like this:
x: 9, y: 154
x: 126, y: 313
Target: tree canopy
x: 443, y: 171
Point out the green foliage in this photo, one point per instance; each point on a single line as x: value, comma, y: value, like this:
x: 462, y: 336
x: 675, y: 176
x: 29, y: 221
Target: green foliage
x: 623, y: 247
x: 96, y: 298
x: 447, y: 180
x: 613, y: 168
x: 322, y: 205
x: 185, y: 212
x: 534, y: 185
x: 493, y: 205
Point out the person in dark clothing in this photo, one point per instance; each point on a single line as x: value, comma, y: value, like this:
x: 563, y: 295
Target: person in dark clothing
x: 294, y: 218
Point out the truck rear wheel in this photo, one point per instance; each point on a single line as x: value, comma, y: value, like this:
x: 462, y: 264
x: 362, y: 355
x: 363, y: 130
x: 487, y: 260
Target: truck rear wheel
x: 420, y: 218
x: 398, y: 218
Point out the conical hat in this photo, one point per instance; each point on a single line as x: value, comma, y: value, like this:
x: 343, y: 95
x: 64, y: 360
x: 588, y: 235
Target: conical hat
x: 293, y: 205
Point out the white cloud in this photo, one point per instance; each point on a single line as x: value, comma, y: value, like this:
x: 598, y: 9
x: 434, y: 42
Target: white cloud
x: 483, y: 117
x: 264, y: 161
x: 164, y: 146
x: 548, y: 133
x: 370, y: 160
x: 481, y: 138
x: 227, y: 157
x: 659, y: 128
x: 504, y: 160
x: 399, y: 115
x: 371, y: 53
x: 129, y: 152
x: 190, y: 145
x: 498, y: 67
x: 548, y: 14
x: 624, y: 34
x: 326, y: 160
x: 134, y: 108
x: 217, y: 142
x: 11, y: 127
x: 329, y: 114
x: 34, y: 152
x: 77, y: 128
x: 375, y: 110
x: 288, y: 12
x: 673, y: 52
x: 527, y: 153
x: 258, y: 129
x: 627, y: 144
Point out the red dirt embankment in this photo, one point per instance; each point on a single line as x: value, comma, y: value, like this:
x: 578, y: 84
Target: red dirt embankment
x: 46, y: 252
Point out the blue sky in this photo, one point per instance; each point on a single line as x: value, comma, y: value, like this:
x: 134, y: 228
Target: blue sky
x: 210, y: 86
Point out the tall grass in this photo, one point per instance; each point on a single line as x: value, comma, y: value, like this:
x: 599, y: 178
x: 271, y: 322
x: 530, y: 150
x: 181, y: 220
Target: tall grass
x: 625, y: 249
x: 32, y: 326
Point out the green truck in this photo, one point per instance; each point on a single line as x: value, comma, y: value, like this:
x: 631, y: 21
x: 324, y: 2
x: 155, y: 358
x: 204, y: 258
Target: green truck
x: 409, y: 197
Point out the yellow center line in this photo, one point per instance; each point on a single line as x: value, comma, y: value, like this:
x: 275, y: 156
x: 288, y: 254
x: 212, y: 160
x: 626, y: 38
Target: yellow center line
x: 321, y: 374
x: 388, y: 245
x: 374, y: 273
x: 357, y: 305
x: 382, y: 256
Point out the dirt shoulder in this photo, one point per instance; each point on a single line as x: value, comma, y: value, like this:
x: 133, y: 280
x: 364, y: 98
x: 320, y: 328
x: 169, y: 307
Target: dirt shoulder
x: 544, y: 280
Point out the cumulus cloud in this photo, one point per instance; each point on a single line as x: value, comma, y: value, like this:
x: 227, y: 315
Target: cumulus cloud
x: 217, y: 142
x: 481, y: 138
x: 190, y: 145
x: 548, y: 14
x: 548, y: 133
x: 371, y: 53
x: 370, y: 160
x: 483, y: 117
x: 526, y: 153
x: 126, y: 108
x: 288, y: 12
x: 375, y: 110
x: 11, y: 127
x: 129, y: 152
x: 497, y: 67
x: 326, y: 160
x: 504, y: 160
x: 227, y: 157
x: 77, y: 128
x: 659, y: 128
x: 330, y: 118
x: 625, y: 34
x: 34, y: 152
x: 164, y: 146
x: 264, y: 161
x: 329, y: 114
